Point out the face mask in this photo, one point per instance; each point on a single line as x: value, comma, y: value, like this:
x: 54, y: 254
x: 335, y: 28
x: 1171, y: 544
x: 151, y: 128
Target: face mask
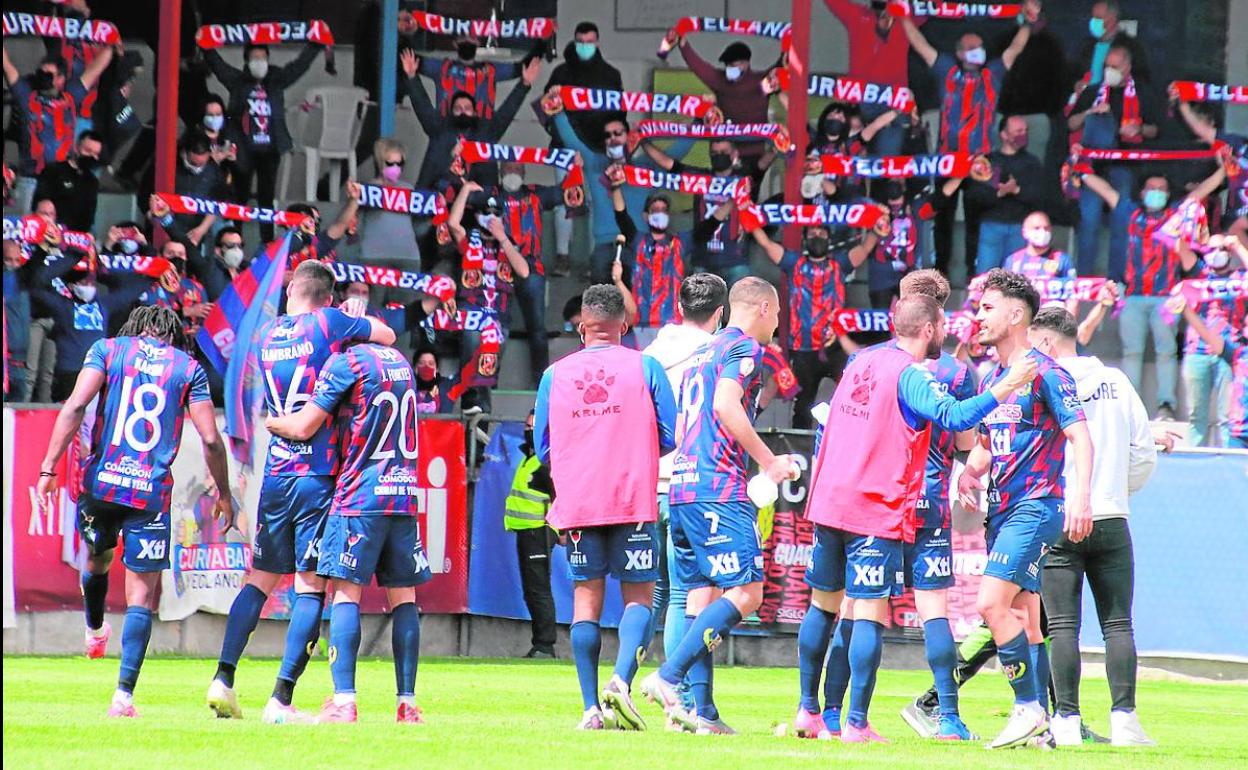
x: 1038, y: 237
x: 512, y: 182
x: 1019, y: 143
x: 528, y: 436
x: 467, y: 51
x: 732, y: 73
x: 486, y: 221
x: 214, y: 122
x: 258, y: 68
x: 812, y: 185
x: 392, y: 173
x: 834, y: 127
x: 615, y: 151
x: 83, y: 291
x: 232, y: 257
x: 658, y: 220
x: 1155, y: 200
x: 128, y: 245
x: 586, y: 51
x: 1113, y: 77
x: 721, y: 161
x: 1096, y: 28
x: 976, y: 56
x: 426, y: 372
x: 88, y: 163
x: 817, y: 247
x: 464, y: 122
x: 42, y: 81
x: 1218, y: 260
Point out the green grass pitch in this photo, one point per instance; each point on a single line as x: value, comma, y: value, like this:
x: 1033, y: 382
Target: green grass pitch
x: 520, y: 714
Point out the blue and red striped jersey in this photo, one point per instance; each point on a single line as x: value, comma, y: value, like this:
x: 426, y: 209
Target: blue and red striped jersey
x: 658, y: 270
x: 816, y: 289
x: 967, y: 104
x: 47, y: 125
x: 710, y: 465
x: 138, y: 422
x: 488, y: 286
x: 293, y: 350
x: 954, y: 378
x: 1052, y: 264
x: 1152, y: 267
x: 1025, y: 435
x: 372, y: 390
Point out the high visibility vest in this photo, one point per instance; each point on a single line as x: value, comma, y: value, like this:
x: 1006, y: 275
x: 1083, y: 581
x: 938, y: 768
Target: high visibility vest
x: 526, y: 507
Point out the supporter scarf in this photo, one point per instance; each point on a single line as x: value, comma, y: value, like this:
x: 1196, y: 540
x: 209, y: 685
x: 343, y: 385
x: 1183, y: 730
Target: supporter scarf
x: 779, y: 30
x: 956, y: 164
x: 827, y: 215
x: 772, y: 132
x: 1087, y: 153
x: 482, y: 366
x: 775, y: 363
x: 576, y: 99
x: 153, y: 267
x: 27, y: 229
x: 269, y: 33
x: 960, y: 324
x: 440, y: 286
x: 1192, y: 91
x: 185, y: 204
x: 418, y: 203
x: 1081, y: 288
x: 537, y: 28
x: 846, y: 89
x: 1230, y: 288
x: 66, y: 28
x: 1189, y: 225
x: 939, y: 10
x: 1130, y: 107
x: 734, y: 187
x: 565, y: 159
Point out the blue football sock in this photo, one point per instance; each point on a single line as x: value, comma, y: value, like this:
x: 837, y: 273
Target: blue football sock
x: 1040, y: 670
x: 635, y: 635
x: 405, y: 638
x: 94, y: 592
x: 586, y: 647
x: 675, y: 623
x: 344, y: 645
x: 812, y: 648
x: 942, y: 656
x: 865, y: 650
x: 134, y: 638
x: 301, y: 635
x: 704, y: 633
x: 836, y: 679
x: 701, y: 678
x: 244, y: 614
x: 1015, y: 656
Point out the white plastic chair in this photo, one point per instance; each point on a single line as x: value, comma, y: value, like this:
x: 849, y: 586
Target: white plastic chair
x: 342, y: 120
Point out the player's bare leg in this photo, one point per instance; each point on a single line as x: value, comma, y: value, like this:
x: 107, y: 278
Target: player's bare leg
x: 142, y: 593
x: 586, y: 638
x: 635, y: 633
x: 241, y: 622
x: 301, y: 638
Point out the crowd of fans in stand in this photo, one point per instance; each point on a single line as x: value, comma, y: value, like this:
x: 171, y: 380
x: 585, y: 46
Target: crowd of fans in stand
x: 71, y: 118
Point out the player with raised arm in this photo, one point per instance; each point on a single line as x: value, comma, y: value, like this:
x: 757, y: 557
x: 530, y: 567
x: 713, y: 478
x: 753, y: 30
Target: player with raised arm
x: 1023, y: 443
x: 297, y: 488
x: 714, y: 528
x: 371, y: 528
x: 145, y: 383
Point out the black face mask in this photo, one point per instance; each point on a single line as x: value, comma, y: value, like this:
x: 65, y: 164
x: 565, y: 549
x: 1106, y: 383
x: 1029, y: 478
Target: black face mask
x: 817, y: 247
x: 720, y: 161
x: 88, y: 163
x: 528, y: 436
x: 42, y: 81
x: 467, y: 51
x: 464, y: 122
x: 834, y: 127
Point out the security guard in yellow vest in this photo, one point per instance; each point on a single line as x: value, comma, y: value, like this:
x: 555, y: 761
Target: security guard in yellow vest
x: 525, y: 514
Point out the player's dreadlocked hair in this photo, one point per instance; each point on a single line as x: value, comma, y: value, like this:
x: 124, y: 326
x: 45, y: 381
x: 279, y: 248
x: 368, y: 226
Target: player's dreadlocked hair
x: 152, y: 321
x: 1014, y: 286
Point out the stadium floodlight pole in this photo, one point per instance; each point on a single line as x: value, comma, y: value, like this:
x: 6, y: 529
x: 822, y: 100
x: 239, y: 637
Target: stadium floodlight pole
x: 388, y: 37
x: 168, y: 56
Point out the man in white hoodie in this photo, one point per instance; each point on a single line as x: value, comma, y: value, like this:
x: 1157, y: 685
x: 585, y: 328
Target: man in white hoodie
x: 1124, y: 460
x: 703, y: 297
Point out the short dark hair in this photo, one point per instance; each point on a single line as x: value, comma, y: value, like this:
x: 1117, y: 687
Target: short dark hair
x: 55, y: 61
x: 603, y: 301
x: 1056, y: 319
x: 249, y: 47
x: 155, y: 321
x: 313, y: 281
x: 657, y: 197
x: 701, y: 294
x: 91, y: 134
x: 1005, y: 121
x: 462, y: 95
x: 212, y: 98
x: 307, y: 209
x: 586, y: 26
x: 196, y: 141
x: 1013, y: 286
x: 224, y: 231
x: 616, y: 117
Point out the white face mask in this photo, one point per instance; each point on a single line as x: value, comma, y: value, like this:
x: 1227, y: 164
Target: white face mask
x: 732, y: 73
x: 1038, y: 237
x: 658, y: 220
x: 512, y: 182
x: 196, y: 170
x: 1113, y: 77
x: 83, y: 291
x: 214, y: 122
x: 232, y: 257
x: 976, y: 56
x: 258, y: 68
x: 812, y: 185
x: 128, y: 246
x: 486, y: 221
x: 1218, y: 260
x: 615, y: 151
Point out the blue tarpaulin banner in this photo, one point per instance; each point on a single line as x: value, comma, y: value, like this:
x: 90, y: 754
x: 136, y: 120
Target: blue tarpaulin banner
x: 494, y: 577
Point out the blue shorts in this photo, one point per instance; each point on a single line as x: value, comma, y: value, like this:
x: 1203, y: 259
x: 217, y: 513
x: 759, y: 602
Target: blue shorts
x: 630, y: 552
x: 145, y: 534
x: 716, y: 544
x: 864, y: 566
x: 355, y: 548
x: 290, y: 521
x: 929, y: 559
x: 1019, y: 539
x: 932, y: 511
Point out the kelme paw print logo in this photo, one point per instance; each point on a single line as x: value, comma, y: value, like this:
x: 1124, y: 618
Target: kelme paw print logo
x: 863, y: 384
x: 594, y: 386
